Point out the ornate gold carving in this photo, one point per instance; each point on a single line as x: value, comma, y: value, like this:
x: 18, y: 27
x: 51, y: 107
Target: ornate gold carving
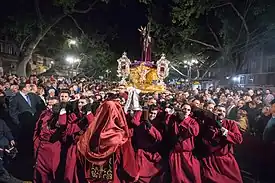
x: 143, y: 77
x: 103, y: 172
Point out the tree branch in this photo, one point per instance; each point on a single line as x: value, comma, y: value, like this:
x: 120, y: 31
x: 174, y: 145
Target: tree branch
x: 38, y: 13
x: 215, y: 36
x: 91, y: 6
x: 242, y: 19
x: 82, y: 31
x: 175, y: 69
x: 205, y: 44
x: 23, y: 43
x: 209, y: 67
x: 219, y: 6
x: 238, y: 14
x: 241, y: 28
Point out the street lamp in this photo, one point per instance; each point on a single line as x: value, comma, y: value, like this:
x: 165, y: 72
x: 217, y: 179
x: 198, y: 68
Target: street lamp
x: 72, y: 59
x: 72, y: 42
x: 189, y: 64
x: 108, y: 72
x: 236, y: 79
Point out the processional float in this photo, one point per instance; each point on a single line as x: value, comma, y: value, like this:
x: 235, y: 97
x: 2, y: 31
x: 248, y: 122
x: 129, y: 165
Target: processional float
x: 144, y: 75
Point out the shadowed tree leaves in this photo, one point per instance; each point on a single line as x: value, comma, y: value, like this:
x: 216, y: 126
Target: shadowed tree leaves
x: 29, y: 29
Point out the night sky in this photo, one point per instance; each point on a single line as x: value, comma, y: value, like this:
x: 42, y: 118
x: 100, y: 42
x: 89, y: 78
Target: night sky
x: 123, y: 18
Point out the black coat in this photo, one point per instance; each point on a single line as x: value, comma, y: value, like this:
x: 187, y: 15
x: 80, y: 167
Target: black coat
x: 21, y: 112
x: 5, y: 134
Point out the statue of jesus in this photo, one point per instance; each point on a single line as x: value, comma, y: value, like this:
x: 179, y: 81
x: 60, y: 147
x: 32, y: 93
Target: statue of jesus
x: 146, y: 43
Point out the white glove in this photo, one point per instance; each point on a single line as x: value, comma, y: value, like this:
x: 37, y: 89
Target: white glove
x: 224, y: 131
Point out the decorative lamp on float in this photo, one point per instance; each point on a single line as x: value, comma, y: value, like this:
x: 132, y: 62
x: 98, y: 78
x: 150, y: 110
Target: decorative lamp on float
x: 123, y: 70
x: 162, y: 68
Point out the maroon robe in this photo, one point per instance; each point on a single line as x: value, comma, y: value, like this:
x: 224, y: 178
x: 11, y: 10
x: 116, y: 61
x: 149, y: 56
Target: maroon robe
x: 220, y: 164
x: 70, y: 174
x: 125, y: 167
x: 184, y: 166
x: 133, y: 122
x: 105, y: 150
x: 47, y: 154
x: 150, y: 161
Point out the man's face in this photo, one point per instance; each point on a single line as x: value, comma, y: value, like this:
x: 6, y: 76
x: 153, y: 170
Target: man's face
x: 75, y: 88
x: 267, y: 92
x: 14, y: 88
x: 210, y: 107
x: 102, y: 94
x: 77, y: 96
x: 220, y: 112
x: 272, y: 110
x: 152, y: 101
x: 81, y: 103
x: 266, y: 111
x: 250, y: 92
x: 34, y: 88
x: 52, y: 102
x: 98, y: 97
x: 7, y: 85
x: 186, y: 109
x: 186, y: 94
x: 196, y: 103
x: 64, y: 97
x: 28, y: 88
x: 156, y: 96
x: 153, y: 114
x: 240, y: 103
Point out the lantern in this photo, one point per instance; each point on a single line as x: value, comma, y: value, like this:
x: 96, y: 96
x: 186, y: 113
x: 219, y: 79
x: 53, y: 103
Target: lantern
x: 162, y: 68
x: 123, y: 67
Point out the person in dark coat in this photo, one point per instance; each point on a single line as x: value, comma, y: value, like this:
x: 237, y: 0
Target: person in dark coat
x: 6, y: 144
x: 24, y: 110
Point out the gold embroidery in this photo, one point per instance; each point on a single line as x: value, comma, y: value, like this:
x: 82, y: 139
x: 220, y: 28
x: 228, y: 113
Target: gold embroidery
x: 103, y: 172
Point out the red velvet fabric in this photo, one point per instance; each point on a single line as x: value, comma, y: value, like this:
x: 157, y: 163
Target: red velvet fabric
x: 220, y: 165
x: 184, y: 166
x: 70, y: 174
x: 105, y: 135
x: 108, y: 136
x: 47, y: 154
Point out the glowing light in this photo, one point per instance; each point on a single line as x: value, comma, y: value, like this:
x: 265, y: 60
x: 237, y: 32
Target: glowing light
x: 236, y: 79
x: 72, y: 59
x: 72, y: 42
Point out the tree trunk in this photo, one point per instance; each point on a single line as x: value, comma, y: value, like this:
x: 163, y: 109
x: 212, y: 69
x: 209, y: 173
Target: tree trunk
x: 21, y: 68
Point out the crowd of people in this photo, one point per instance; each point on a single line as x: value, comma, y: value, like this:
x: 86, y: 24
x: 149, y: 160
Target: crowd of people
x: 81, y: 130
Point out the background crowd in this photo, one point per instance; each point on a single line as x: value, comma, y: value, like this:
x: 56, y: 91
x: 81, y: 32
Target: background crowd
x: 22, y: 100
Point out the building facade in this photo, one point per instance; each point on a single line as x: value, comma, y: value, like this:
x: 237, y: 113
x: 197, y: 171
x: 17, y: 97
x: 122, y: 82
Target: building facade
x: 258, y: 70
x: 9, y: 54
